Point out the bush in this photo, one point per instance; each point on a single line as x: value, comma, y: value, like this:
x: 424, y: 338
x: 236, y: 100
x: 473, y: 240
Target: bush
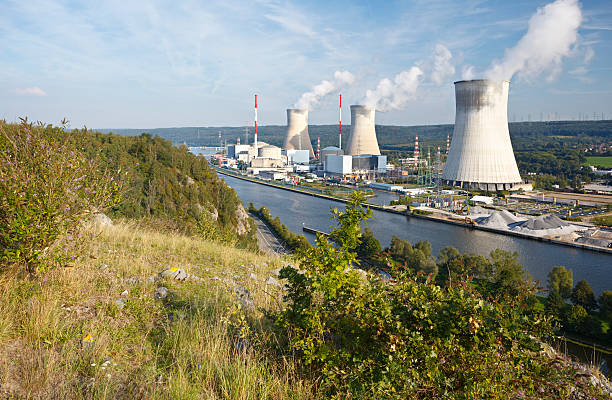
x: 371, y: 338
x: 583, y: 295
x: 47, y: 186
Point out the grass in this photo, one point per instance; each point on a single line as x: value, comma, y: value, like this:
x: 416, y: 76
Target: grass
x: 605, y: 220
x: 602, y: 161
x: 187, y: 346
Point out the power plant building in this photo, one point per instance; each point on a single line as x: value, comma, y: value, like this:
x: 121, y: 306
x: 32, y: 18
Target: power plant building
x: 362, y: 139
x: 297, y: 156
x: 297, y: 137
x: 481, y: 155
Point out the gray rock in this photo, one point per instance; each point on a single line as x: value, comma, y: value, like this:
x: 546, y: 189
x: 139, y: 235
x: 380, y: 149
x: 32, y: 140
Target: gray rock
x: 244, y: 297
x: 252, y: 276
x: 102, y: 219
x: 125, y: 293
x: 161, y: 293
x: 276, y: 271
x: 175, y: 273
x: 103, y: 267
x: 151, y: 279
x: 384, y: 275
x: 272, y: 281
x: 120, y: 303
x: 132, y: 281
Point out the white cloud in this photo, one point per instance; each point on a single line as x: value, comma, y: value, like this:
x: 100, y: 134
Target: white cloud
x: 30, y: 91
x: 443, y: 68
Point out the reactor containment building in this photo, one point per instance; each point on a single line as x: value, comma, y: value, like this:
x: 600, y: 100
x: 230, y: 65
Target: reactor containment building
x: 481, y: 155
x: 297, y: 137
x: 362, y: 139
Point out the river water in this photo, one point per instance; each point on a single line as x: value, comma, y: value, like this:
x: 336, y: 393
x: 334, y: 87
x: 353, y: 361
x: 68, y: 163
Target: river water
x: 296, y: 209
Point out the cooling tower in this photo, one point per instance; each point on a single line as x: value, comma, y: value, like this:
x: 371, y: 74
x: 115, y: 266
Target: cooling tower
x: 481, y: 155
x: 362, y: 139
x: 297, y: 131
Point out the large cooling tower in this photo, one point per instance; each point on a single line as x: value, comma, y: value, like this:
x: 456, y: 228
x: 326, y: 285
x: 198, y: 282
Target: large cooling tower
x: 481, y: 155
x: 297, y: 131
x: 363, y: 134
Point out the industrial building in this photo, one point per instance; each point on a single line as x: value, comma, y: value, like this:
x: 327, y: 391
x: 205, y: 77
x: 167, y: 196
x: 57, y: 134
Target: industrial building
x: 362, y: 139
x: 297, y: 137
x: 297, y: 156
x: 481, y: 155
x: 362, y: 166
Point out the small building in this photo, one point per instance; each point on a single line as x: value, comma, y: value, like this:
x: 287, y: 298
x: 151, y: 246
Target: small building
x: 297, y: 156
x: 330, y: 151
x: 339, y: 164
x: 482, y: 199
x: 273, y: 175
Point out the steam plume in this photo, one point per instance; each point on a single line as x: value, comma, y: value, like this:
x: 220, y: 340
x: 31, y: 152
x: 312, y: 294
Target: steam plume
x: 553, y: 29
x: 309, y: 99
x: 443, y: 69
x: 390, y: 95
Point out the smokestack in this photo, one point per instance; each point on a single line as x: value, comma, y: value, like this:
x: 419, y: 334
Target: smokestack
x: 481, y: 153
x: 447, y: 143
x: 340, y: 124
x: 238, y: 140
x: 362, y: 139
x: 416, y: 148
x: 318, y: 147
x: 255, y: 143
x: 297, y: 137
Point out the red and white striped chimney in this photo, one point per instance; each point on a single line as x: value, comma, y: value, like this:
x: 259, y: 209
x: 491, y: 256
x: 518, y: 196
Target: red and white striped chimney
x: 255, y: 143
x: 416, y: 148
x: 238, y: 140
x: 447, y: 143
x: 318, y: 147
x: 340, y: 124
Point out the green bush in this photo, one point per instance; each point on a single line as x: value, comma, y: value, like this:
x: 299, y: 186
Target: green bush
x: 406, y: 338
x: 47, y: 186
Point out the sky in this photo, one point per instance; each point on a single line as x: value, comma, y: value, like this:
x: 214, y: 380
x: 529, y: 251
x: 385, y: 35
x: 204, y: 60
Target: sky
x: 137, y: 64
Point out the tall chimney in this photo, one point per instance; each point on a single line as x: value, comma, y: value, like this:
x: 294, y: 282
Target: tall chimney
x: 255, y: 142
x: 340, y: 124
x: 481, y: 155
x: 297, y: 137
x: 362, y: 139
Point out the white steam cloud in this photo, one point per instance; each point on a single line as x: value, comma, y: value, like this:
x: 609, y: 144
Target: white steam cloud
x: 390, y: 95
x: 30, y: 91
x: 443, y: 68
x: 309, y: 99
x: 467, y: 72
x: 553, y: 29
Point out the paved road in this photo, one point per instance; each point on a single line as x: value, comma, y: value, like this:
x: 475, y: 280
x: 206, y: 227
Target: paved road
x: 267, y: 240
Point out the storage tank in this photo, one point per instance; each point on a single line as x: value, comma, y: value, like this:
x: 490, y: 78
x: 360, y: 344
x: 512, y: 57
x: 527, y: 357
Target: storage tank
x: 297, y: 131
x: 362, y: 139
x: 269, y: 151
x: 481, y: 155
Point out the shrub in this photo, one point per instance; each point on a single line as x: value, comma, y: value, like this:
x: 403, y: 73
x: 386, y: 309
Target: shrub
x: 405, y: 338
x: 560, y: 280
x: 583, y: 295
x: 47, y: 186
x: 605, y: 303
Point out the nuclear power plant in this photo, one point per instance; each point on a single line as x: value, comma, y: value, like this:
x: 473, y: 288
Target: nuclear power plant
x: 481, y: 155
x: 297, y: 137
x: 362, y: 139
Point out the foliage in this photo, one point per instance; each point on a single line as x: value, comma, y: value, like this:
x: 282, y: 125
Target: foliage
x: 605, y: 303
x: 172, y: 184
x: 605, y: 220
x: 47, y: 186
x: 555, y: 304
x: 408, y: 338
x: 574, y: 317
x: 561, y: 280
x: 417, y: 258
x: 369, y: 245
x: 583, y: 295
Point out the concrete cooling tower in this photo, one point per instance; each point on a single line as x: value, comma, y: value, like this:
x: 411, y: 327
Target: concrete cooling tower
x: 297, y: 131
x: 481, y: 155
x: 363, y: 134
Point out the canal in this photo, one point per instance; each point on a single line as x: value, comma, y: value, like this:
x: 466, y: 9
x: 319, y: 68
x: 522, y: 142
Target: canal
x: 295, y: 209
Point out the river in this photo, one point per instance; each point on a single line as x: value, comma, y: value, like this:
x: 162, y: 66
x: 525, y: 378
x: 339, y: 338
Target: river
x: 295, y: 209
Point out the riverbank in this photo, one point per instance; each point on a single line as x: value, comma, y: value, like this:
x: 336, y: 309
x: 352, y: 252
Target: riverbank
x: 396, y: 210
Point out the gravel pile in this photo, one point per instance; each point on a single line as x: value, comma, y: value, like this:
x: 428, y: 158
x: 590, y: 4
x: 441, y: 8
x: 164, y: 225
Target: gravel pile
x: 499, y: 220
x: 545, y: 225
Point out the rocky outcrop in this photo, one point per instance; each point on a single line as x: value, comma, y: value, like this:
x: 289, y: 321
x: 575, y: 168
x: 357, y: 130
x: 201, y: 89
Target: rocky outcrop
x: 242, y: 220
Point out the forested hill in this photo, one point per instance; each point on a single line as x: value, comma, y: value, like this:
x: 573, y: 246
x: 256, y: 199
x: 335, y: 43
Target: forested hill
x: 171, y: 186
x: 390, y: 138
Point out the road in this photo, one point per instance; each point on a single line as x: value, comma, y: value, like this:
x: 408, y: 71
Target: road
x: 267, y: 240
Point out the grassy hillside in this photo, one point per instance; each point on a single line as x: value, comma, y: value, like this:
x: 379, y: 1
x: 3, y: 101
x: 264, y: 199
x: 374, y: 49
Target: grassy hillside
x: 184, y: 346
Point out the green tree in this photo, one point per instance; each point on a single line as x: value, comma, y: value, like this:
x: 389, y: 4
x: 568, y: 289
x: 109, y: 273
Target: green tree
x: 555, y: 304
x: 583, y: 295
x: 561, y: 280
x: 605, y: 303
x: 574, y: 317
x: 369, y: 246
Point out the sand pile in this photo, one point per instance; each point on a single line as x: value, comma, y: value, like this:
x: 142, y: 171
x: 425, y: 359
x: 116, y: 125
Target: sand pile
x: 478, y: 211
x: 499, y: 220
x: 545, y: 225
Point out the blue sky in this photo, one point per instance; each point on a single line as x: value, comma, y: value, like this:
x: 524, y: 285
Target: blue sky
x: 133, y: 64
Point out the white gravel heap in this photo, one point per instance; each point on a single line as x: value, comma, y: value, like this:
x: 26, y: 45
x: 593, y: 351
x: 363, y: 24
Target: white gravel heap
x: 545, y: 225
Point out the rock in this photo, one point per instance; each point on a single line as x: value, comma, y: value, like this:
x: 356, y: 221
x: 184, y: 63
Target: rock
x: 132, y: 281
x: 120, y: 303
x: 276, y: 271
x: 244, y: 297
x: 242, y: 219
x: 161, y: 293
x: 175, y: 273
x: 125, y: 293
x: 102, y: 219
x: 103, y: 267
x: 151, y: 279
x: 252, y: 276
x: 272, y: 281
x: 384, y: 275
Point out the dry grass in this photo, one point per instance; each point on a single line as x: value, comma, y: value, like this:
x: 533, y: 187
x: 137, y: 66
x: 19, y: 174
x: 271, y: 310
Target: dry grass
x: 182, y: 347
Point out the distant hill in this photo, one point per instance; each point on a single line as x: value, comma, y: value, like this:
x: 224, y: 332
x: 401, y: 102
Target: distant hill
x: 391, y: 138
